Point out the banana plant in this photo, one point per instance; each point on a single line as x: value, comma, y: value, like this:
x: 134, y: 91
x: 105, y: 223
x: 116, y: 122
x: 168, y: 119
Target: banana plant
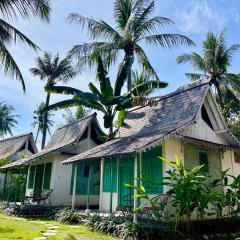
x: 106, y: 99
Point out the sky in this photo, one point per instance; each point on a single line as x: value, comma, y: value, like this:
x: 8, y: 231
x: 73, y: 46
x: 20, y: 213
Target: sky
x: 193, y: 18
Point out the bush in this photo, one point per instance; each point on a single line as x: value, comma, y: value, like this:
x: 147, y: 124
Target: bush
x: 28, y: 210
x: 71, y: 216
x: 114, y: 226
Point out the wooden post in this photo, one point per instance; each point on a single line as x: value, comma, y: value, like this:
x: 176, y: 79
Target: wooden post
x: 74, y: 187
x: 135, y: 184
x: 111, y: 183
x: 88, y: 189
x: 4, y: 186
x: 101, y: 183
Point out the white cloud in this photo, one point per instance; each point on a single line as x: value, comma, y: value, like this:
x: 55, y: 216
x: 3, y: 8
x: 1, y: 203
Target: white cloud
x: 200, y: 16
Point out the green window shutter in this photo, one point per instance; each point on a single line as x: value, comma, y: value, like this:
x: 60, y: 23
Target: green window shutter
x: 152, y: 170
x: 203, y: 159
x: 31, y: 177
x: 110, y: 169
x: 47, y: 176
x: 114, y: 175
x: 106, y: 176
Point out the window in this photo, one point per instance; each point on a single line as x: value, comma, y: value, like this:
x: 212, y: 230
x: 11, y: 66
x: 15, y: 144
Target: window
x: 206, y: 118
x: 40, y: 176
x: 47, y: 176
x: 84, y: 135
x: 86, y: 170
x: 110, y: 175
x: 152, y: 170
x: 31, y: 177
x: 203, y: 158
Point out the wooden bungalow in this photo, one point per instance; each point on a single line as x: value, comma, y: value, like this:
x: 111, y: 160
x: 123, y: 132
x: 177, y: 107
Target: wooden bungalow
x: 45, y: 170
x: 186, y: 123
x: 12, y: 149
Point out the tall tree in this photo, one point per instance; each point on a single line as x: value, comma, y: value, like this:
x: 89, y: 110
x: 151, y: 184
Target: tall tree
x: 10, y: 9
x: 38, y: 120
x: 52, y: 70
x: 134, y: 25
x: 214, y: 64
x: 102, y: 99
x: 8, y: 120
x: 143, y: 84
x: 70, y: 117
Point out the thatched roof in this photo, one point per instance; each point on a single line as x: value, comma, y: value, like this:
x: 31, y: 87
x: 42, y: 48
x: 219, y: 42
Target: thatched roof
x: 62, y: 139
x: 145, y: 126
x: 10, y: 146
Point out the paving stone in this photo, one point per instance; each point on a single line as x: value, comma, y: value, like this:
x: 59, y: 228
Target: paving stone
x: 52, y: 231
x: 48, y: 234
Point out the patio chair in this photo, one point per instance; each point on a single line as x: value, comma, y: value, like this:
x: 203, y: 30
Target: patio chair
x: 45, y: 196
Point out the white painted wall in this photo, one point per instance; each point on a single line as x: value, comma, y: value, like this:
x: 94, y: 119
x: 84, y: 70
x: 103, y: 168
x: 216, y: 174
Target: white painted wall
x: 200, y: 130
x: 61, y: 178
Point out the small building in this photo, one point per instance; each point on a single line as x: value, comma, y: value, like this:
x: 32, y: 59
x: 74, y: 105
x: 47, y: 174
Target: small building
x: 45, y: 170
x: 13, y: 149
x: 186, y: 123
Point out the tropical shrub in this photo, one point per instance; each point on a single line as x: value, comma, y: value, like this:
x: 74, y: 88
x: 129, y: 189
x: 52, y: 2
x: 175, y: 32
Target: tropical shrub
x: 67, y: 215
x: 192, y: 193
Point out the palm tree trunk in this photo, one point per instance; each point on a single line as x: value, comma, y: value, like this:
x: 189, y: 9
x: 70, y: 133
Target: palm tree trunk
x: 220, y: 100
x: 129, y: 54
x: 37, y: 134
x: 44, y: 135
x: 129, y: 81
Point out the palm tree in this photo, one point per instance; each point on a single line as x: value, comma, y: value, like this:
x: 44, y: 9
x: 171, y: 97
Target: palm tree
x: 8, y: 120
x: 133, y: 26
x: 214, y: 64
x: 143, y: 85
x: 103, y: 99
x: 10, y: 35
x: 38, y: 120
x: 70, y: 117
x: 52, y: 70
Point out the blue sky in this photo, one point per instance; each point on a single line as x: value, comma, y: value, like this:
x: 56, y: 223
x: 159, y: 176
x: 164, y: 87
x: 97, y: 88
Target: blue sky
x: 192, y: 18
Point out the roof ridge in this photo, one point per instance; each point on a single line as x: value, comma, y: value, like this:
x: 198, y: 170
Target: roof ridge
x: 17, y: 136
x: 79, y: 120
x: 176, y: 92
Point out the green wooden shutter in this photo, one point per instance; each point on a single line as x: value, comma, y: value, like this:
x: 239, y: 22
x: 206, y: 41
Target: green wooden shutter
x: 47, y: 176
x: 106, y: 176
x: 152, y: 170
x: 31, y: 177
x: 110, y: 169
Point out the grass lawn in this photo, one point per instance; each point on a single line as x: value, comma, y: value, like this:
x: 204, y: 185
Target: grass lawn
x: 27, y: 229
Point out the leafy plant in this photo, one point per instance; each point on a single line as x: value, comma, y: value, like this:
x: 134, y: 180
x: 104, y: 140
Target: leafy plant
x: 52, y: 70
x: 214, y: 64
x: 134, y: 25
x: 10, y: 10
x: 67, y: 215
x: 8, y: 120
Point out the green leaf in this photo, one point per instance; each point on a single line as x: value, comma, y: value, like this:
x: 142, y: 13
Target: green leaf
x: 121, y: 117
x: 167, y: 162
x: 105, y: 84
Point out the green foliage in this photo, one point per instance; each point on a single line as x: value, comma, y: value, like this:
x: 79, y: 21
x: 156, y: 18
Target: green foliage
x: 102, y: 99
x: 214, y: 65
x: 134, y: 24
x: 121, y: 229
x: 10, y: 35
x: 4, y: 161
x: 70, y: 117
x: 191, y: 192
x: 67, y: 215
x: 38, y: 119
x: 8, y: 120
